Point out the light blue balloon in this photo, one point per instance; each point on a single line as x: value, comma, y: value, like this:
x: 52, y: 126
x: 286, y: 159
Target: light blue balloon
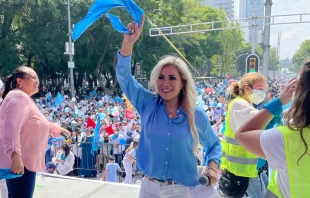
x: 122, y: 141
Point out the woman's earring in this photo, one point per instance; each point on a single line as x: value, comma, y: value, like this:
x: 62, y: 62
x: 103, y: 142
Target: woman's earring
x: 20, y: 86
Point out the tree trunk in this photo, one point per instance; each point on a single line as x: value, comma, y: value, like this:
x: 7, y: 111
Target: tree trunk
x: 58, y: 87
x: 114, y: 73
x: 95, y: 80
x: 90, y: 82
x: 133, y: 68
x: 29, y: 59
x: 79, y: 83
x: 100, y: 80
x: 208, y: 67
x: 222, y: 67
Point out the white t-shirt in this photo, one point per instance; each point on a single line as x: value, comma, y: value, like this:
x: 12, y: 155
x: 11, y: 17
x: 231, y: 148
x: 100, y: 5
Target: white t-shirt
x: 67, y: 166
x: 241, y: 112
x: 272, y: 143
x: 117, y: 147
x: 132, y: 153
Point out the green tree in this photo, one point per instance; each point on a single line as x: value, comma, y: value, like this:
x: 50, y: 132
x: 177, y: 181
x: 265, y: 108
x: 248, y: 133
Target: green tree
x: 232, y: 41
x: 9, y: 32
x: 274, y: 60
x: 34, y: 33
x: 301, y: 56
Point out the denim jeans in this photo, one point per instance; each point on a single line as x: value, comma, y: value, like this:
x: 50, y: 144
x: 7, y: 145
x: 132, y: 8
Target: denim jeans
x: 264, y: 177
x: 22, y: 186
x: 256, y: 188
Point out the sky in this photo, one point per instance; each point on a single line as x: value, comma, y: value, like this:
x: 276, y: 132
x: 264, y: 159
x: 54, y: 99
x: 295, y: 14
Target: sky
x: 292, y: 35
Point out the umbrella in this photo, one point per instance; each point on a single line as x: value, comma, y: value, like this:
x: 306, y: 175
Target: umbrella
x: 208, y: 90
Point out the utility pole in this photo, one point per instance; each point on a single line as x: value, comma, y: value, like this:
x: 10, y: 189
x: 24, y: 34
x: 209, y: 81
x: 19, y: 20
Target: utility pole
x: 70, y: 52
x: 279, y: 43
x: 266, y: 44
x: 254, y: 17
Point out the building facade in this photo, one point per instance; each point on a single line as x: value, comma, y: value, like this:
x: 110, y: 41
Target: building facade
x: 257, y: 7
x: 240, y: 9
x: 226, y: 5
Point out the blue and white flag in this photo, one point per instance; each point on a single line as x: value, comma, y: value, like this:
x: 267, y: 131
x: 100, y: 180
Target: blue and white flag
x: 101, y: 7
x: 59, y: 99
x: 96, y: 139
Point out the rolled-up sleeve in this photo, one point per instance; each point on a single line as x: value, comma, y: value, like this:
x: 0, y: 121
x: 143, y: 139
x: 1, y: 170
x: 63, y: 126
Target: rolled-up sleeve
x: 208, y: 139
x: 135, y: 92
x: 16, y: 111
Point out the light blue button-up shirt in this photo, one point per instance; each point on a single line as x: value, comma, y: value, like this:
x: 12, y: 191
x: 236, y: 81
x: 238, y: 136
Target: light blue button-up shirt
x: 165, y: 149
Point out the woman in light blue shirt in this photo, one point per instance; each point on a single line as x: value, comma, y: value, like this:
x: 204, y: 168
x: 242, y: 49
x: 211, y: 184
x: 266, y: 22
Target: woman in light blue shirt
x: 171, y: 125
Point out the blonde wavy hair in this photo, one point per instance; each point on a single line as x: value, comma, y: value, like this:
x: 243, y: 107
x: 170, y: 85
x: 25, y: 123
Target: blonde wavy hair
x: 249, y: 79
x: 187, y: 97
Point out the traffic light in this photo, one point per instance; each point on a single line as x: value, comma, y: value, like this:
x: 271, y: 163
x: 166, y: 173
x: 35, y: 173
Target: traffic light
x: 252, y: 63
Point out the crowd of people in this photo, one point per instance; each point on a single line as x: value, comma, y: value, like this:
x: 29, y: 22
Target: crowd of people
x: 72, y: 155
x: 164, y: 134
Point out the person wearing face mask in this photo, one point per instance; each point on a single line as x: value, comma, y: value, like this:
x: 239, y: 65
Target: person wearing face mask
x: 240, y: 166
x: 117, y: 147
x: 106, y: 148
x: 88, y: 159
x: 125, y: 128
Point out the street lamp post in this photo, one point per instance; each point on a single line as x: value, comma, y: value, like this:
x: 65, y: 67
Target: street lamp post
x: 70, y: 52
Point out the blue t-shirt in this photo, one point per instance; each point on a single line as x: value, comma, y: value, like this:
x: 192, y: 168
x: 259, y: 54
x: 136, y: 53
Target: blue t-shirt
x: 112, y: 170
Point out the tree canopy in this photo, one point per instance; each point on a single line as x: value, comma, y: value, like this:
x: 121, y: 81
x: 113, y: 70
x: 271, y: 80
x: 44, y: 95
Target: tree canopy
x: 301, y: 56
x: 34, y: 32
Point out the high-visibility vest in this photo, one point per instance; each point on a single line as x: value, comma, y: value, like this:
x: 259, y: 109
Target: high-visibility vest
x: 298, y: 171
x: 235, y: 158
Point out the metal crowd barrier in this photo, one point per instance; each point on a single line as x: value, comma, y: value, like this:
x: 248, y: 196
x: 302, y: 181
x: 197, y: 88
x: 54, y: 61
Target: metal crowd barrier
x: 88, y: 162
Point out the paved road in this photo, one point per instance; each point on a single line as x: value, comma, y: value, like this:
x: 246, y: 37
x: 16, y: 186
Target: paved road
x: 66, y: 187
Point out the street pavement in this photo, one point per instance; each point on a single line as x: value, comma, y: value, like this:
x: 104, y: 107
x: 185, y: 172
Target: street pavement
x: 51, y: 186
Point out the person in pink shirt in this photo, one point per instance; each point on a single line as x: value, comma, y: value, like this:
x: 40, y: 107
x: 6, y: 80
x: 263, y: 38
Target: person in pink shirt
x: 24, y: 132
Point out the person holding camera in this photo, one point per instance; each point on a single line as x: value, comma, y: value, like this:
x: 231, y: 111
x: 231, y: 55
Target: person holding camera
x: 24, y: 132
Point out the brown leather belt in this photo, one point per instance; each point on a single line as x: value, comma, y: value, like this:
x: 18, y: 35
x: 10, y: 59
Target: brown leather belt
x: 165, y: 182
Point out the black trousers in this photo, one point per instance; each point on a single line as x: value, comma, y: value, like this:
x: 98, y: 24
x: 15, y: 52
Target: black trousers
x: 22, y: 187
x: 118, y: 159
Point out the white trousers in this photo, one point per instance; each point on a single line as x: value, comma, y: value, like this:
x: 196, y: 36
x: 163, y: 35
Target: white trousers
x: 128, y: 170
x: 3, y: 189
x: 150, y: 189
